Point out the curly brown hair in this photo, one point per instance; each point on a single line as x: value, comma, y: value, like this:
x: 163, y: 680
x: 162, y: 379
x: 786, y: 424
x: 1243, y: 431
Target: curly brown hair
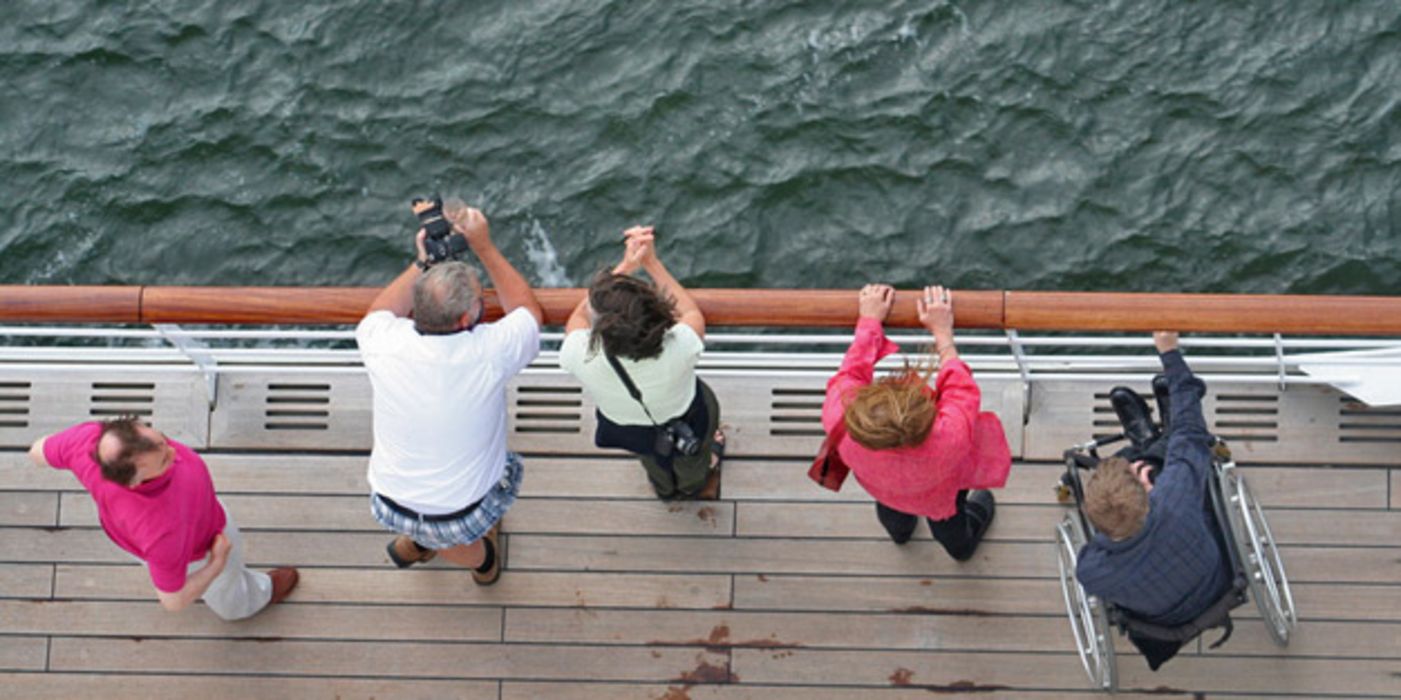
x: 895, y: 411
x: 630, y: 316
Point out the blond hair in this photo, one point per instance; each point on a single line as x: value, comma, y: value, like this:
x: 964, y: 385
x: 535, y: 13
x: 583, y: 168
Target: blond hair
x: 895, y: 411
x: 1115, y: 501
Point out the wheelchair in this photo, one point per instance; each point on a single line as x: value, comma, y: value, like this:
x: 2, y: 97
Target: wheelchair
x: 1257, y: 571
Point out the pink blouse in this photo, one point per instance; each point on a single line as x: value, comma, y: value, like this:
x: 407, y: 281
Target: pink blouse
x: 966, y: 448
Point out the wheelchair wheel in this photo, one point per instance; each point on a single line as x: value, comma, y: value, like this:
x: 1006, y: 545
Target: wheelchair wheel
x: 1089, y: 622
x: 1264, y: 567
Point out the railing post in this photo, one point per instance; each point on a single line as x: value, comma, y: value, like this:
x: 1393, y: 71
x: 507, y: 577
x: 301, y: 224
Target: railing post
x: 1279, y: 360
x: 198, y: 353
x: 1014, y: 341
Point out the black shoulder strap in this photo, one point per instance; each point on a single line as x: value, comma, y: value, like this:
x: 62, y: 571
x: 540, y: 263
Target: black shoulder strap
x: 627, y: 382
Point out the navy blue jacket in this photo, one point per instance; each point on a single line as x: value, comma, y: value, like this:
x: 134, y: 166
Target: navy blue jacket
x: 1173, y: 569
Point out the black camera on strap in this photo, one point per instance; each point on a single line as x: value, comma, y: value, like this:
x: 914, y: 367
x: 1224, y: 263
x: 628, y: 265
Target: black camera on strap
x: 674, y: 435
x: 439, y: 243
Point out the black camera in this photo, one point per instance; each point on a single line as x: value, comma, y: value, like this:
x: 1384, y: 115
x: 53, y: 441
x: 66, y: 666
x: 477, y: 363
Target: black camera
x: 677, y: 436
x: 439, y: 243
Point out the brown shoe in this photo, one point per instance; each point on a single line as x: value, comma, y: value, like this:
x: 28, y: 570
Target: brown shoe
x: 283, y: 581
x: 404, y: 552
x: 494, y: 573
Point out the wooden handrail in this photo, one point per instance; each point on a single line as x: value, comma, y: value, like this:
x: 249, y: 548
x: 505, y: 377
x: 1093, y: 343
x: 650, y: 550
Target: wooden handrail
x: 794, y: 308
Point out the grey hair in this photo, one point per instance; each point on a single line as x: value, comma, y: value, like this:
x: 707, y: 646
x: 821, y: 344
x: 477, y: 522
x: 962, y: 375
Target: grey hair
x: 443, y: 295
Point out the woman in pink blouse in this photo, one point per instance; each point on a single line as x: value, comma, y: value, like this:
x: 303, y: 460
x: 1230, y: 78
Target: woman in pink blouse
x: 918, y: 451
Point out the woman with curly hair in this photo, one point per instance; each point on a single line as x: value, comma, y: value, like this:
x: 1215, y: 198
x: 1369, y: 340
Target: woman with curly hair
x: 918, y: 451
x: 634, y: 346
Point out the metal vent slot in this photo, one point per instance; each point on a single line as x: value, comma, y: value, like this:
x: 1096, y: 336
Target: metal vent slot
x: 1247, y: 417
x: 297, y: 407
x: 1359, y: 424
x: 14, y: 404
x: 796, y: 412
x: 113, y: 399
x: 549, y: 409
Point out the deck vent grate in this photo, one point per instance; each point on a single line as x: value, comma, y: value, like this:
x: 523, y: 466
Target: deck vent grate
x: 114, y: 399
x: 14, y: 404
x: 549, y: 409
x: 1359, y: 423
x: 292, y: 406
x: 1246, y: 417
x: 796, y: 411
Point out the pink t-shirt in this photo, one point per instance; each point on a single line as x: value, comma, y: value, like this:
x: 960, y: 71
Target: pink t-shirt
x: 167, y: 522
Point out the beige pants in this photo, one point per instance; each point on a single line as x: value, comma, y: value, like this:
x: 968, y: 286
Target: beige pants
x: 237, y: 592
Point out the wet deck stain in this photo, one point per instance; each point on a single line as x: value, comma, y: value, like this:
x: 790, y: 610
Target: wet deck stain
x: 925, y: 610
x: 719, y: 642
x: 903, y: 678
x: 707, y: 515
x: 964, y: 687
x: 1166, y: 690
x: 708, y: 673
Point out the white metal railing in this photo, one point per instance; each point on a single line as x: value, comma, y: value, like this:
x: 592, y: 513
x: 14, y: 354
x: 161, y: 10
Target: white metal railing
x: 169, y: 348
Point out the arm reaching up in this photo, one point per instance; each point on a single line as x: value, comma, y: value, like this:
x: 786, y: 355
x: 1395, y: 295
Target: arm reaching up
x: 511, y: 288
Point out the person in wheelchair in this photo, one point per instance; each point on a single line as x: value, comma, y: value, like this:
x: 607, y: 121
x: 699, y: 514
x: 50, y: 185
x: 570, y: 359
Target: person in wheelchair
x: 1156, y: 554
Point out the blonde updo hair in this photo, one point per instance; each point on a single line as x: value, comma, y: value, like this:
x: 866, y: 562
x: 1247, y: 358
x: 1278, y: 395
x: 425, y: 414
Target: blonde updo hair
x: 895, y: 411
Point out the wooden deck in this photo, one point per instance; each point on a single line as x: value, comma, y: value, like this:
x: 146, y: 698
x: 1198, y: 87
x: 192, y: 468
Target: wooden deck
x: 780, y: 590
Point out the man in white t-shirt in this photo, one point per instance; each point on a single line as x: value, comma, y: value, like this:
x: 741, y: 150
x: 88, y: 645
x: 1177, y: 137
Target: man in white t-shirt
x: 440, y: 474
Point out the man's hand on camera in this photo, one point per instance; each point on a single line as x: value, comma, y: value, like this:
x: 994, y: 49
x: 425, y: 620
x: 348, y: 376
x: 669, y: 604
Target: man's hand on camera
x: 468, y: 221
x: 1165, y: 341
x: 420, y: 246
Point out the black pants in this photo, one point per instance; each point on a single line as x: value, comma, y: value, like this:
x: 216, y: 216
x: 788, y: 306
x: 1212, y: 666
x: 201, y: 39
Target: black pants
x: 957, y: 533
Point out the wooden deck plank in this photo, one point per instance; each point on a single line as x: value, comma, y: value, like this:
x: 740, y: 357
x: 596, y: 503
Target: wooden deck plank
x: 352, y: 514
x: 286, y: 621
x: 1313, y: 638
x: 765, y: 630
x: 403, y: 659
x: 66, y: 686
x: 993, y: 672
x: 972, y: 596
x: 26, y: 581
x: 682, y: 555
x: 1308, y: 677
x: 516, y: 690
x: 439, y: 587
x: 1378, y: 528
x: 942, y: 671
x: 917, y: 558
x: 23, y: 653
x: 1032, y: 482
x: 744, y: 479
x: 33, y: 508
x: 601, y: 476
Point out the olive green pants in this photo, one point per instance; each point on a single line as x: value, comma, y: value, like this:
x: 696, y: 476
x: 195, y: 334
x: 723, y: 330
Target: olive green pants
x: 690, y: 472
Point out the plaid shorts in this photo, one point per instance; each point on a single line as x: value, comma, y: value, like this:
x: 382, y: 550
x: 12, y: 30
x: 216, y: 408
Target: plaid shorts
x: 469, y: 528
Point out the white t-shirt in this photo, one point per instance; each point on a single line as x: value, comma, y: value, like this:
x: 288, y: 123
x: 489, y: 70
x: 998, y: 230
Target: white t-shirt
x: 667, y: 381
x: 440, y: 406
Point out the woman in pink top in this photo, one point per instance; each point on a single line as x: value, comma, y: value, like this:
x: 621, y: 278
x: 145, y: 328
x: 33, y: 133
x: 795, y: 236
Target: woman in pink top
x: 918, y: 451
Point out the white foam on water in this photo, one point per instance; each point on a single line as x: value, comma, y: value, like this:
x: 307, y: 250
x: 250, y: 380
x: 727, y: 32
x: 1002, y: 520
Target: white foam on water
x: 544, y: 260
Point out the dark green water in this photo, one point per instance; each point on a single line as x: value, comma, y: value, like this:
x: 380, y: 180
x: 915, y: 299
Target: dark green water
x: 1143, y: 145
